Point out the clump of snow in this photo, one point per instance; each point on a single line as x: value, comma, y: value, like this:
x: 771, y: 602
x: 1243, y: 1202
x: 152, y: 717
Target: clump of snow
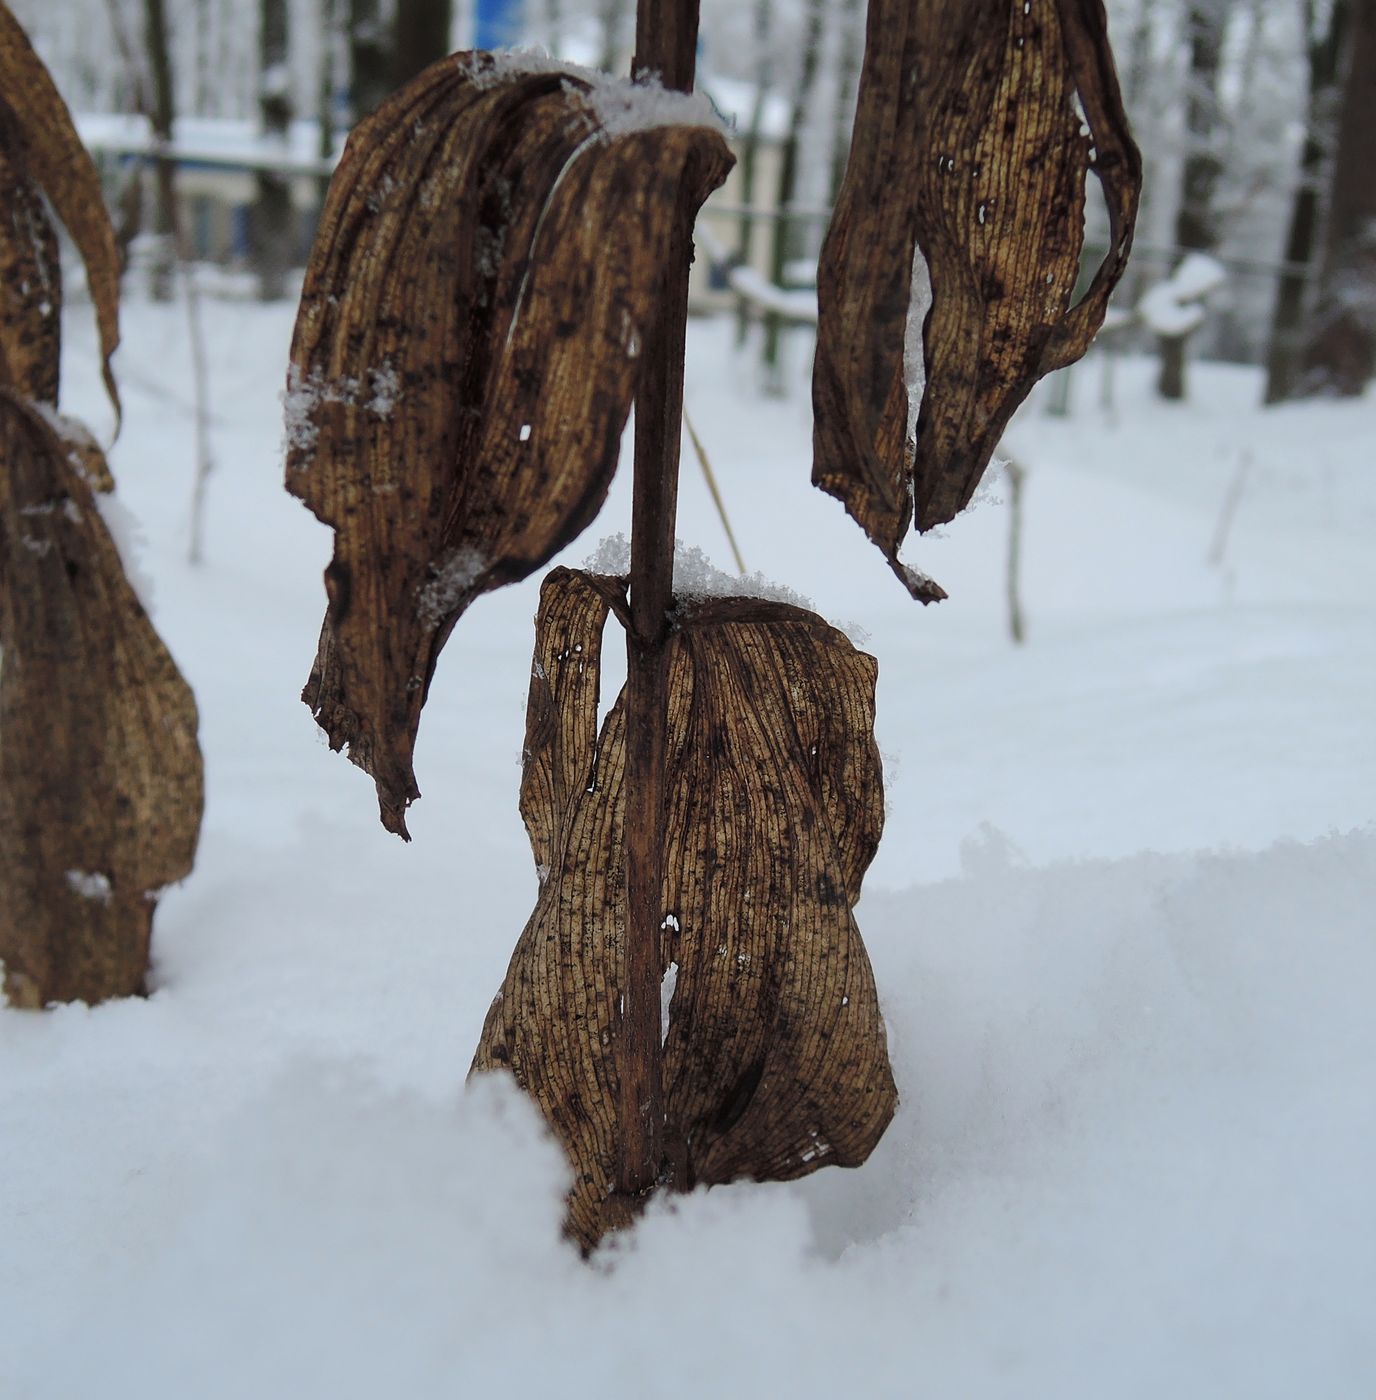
x: 452, y: 583
x: 623, y: 107
x: 987, y: 493
x: 797, y: 303
x: 126, y: 532
x: 695, y: 575
x: 486, y: 70
x: 794, y: 303
x: 385, y: 386
x: 377, y: 393
x: 619, y: 106
x: 90, y: 884
x: 1175, y: 306
x: 611, y: 557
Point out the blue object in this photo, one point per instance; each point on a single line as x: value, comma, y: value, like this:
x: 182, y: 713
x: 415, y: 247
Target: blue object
x: 240, y: 242
x: 497, y: 24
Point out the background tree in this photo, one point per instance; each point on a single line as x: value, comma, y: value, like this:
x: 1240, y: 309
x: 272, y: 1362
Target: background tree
x: 1326, y: 37
x: 784, y: 246
x: 1196, y: 228
x: 1340, y: 355
x: 162, y: 113
x: 369, y: 58
x: 422, y: 36
x: 272, y: 221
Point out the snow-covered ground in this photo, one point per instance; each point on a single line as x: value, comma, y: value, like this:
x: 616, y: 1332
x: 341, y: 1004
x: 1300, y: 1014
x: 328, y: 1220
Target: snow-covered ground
x: 1122, y: 922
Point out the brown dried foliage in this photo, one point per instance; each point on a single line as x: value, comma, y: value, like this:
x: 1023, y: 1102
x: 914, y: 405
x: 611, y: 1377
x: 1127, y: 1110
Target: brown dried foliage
x: 100, y: 773
x: 41, y: 155
x: 463, y: 366
x: 775, y: 1061
x: 968, y: 146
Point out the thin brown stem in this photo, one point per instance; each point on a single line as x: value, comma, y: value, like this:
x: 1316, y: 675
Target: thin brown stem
x: 711, y: 478
x: 666, y: 45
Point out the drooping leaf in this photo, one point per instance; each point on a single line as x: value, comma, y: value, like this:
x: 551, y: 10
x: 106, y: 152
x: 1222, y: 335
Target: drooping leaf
x: 30, y: 286
x: 464, y: 362
x: 42, y: 152
x: 968, y: 148
x: 100, y: 772
x: 775, y: 1055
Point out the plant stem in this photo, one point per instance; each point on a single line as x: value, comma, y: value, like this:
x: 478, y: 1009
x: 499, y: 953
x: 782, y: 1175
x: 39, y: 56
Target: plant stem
x: 666, y: 44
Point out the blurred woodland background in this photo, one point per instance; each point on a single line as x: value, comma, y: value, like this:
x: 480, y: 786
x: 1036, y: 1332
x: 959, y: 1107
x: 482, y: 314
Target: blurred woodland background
x: 219, y: 121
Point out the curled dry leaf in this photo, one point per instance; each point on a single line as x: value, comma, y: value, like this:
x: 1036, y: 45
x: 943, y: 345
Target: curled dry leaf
x: 41, y: 153
x: 969, y: 152
x: 775, y: 1060
x: 30, y: 285
x: 463, y: 365
x: 100, y: 772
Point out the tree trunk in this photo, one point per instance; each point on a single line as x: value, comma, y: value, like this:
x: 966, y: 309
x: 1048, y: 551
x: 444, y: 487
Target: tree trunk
x: 852, y: 21
x: 271, y: 223
x: 329, y: 13
x: 1195, y: 228
x: 1340, y: 353
x: 422, y: 36
x: 161, y: 117
x: 611, y: 15
x: 1301, y: 243
x: 370, y: 63
x: 750, y: 154
x: 788, y: 183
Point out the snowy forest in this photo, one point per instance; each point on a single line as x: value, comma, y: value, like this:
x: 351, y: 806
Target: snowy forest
x: 1238, y: 106
x: 940, y: 968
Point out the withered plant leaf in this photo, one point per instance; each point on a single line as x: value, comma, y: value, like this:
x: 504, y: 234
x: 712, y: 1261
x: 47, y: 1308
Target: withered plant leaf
x: 42, y: 153
x: 100, y: 772
x: 775, y: 1055
x: 30, y: 285
x: 463, y: 365
x: 968, y: 147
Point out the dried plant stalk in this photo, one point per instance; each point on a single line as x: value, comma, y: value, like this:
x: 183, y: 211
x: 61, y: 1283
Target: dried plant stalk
x: 43, y: 153
x: 463, y: 365
x: 969, y: 151
x: 100, y: 773
x: 775, y: 1061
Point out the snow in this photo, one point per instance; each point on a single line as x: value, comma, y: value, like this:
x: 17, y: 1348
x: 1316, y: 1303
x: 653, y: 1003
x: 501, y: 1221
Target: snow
x: 797, y: 303
x: 914, y: 351
x: 621, y: 107
x: 230, y: 142
x: 452, y: 584
x: 1175, y: 306
x: 90, y: 885
x: 1120, y: 922
x: 377, y: 393
x: 695, y: 575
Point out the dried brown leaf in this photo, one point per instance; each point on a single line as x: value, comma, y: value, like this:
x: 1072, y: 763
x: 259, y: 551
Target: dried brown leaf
x: 100, y: 773
x: 968, y: 147
x: 30, y: 285
x: 463, y: 365
x: 775, y: 1056
x: 42, y: 149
